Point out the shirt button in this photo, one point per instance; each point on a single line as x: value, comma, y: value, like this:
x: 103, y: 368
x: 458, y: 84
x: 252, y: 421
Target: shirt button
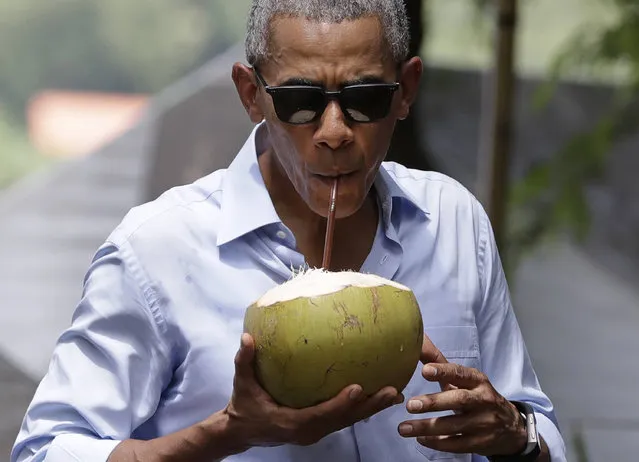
x: 281, y: 235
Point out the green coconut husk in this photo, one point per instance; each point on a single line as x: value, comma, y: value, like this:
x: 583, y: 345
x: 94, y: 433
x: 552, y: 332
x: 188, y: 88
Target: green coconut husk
x: 322, y: 331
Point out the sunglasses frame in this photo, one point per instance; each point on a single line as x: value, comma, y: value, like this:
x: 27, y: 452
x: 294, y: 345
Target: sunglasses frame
x: 272, y: 90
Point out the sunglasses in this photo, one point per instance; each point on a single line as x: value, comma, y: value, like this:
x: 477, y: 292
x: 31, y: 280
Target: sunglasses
x: 303, y: 104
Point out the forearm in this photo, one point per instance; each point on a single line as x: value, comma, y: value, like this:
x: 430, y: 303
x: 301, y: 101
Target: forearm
x: 208, y: 441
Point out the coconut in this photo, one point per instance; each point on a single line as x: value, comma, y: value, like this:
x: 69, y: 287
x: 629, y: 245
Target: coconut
x: 322, y: 331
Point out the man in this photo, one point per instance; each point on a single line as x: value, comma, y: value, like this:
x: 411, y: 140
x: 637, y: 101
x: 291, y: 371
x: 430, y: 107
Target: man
x: 150, y: 369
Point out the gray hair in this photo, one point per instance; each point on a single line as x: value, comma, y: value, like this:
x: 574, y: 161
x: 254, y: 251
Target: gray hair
x: 391, y: 13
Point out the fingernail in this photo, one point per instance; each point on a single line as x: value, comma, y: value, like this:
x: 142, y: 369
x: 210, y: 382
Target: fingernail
x: 355, y: 393
x: 405, y: 429
x: 399, y: 399
x: 415, y: 405
x: 429, y: 371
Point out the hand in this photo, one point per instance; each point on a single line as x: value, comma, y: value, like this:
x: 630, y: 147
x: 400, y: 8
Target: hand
x: 484, y: 422
x: 260, y: 421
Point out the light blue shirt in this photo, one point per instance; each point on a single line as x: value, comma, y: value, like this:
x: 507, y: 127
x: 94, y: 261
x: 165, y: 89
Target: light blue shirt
x: 151, y: 345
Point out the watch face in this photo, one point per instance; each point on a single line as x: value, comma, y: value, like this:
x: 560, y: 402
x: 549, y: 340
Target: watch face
x: 531, y: 428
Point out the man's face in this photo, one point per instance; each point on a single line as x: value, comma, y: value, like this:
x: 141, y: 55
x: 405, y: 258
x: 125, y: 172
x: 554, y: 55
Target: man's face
x: 311, y: 155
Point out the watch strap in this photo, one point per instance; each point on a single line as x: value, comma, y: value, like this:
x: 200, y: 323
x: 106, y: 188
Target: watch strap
x: 533, y: 447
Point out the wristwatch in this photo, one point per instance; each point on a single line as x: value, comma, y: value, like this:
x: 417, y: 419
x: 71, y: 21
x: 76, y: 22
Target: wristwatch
x: 533, y: 448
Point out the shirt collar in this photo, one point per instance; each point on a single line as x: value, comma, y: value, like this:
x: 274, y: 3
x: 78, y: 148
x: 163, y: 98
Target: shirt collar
x: 392, y: 198
x: 247, y: 206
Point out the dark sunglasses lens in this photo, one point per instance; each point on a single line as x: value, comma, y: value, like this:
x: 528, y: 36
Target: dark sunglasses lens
x: 367, y: 103
x: 298, y: 105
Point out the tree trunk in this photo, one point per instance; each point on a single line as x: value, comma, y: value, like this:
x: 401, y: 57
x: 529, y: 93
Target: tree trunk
x: 498, y: 117
x: 407, y: 145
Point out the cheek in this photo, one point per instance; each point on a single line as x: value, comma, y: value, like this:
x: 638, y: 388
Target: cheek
x: 376, y: 141
x: 293, y: 167
x: 285, y: 147
x: 290, y: 155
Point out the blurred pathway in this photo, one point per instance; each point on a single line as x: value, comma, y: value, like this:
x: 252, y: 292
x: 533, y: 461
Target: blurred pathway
x: 581, y: 326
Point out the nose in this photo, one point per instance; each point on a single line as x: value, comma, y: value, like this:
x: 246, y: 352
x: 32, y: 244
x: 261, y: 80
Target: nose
x: 333, y: 130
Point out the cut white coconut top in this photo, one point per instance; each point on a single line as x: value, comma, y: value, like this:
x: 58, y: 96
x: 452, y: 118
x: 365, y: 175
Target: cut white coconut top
x: 317, y: 282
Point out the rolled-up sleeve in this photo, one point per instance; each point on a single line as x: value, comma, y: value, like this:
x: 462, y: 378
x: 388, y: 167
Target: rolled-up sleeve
x: 505, y: 359
x: 107, y: 371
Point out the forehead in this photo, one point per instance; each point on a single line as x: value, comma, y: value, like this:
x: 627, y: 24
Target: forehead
x: 328, y: 51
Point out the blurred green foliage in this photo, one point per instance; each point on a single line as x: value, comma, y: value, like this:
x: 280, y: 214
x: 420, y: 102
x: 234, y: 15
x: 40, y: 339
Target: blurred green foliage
x: 551, y: 199
x: 114, y: 45
x: 17, y: 156
x: 97, y: 45
x: 461, y: 33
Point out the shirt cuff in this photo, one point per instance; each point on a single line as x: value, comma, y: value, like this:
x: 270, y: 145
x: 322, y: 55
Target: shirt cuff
x: 551, y: 435
x: 80, y: 448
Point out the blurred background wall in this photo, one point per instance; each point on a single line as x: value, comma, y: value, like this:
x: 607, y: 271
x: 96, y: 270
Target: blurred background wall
x: 104, y: 105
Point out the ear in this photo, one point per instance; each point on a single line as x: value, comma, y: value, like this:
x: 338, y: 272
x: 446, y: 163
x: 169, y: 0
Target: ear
x: 411, y: 76
x: 247, y: 89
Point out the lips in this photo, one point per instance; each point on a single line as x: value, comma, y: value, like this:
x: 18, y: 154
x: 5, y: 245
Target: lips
x: 327, y: 181
x: 334, y: 175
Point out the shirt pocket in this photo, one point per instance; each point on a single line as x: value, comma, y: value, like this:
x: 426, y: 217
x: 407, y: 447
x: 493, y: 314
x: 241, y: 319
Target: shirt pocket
x: 460, y: 345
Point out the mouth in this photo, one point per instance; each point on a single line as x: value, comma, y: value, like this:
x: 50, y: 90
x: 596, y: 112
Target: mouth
x: 332, y: 176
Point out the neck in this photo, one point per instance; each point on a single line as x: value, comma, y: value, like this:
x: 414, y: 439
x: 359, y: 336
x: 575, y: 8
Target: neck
x: 349, y: 248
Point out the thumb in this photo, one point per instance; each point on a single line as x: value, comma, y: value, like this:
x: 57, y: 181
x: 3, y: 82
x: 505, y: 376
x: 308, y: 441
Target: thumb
x: 244, y: 357
x: 245, y: 383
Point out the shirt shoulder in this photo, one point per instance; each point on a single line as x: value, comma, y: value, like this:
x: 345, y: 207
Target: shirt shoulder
x: 439, y: 195
x: 191, y: 207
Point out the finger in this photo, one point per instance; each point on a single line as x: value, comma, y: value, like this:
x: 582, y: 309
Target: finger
x: 446, y: 425
x: 351, y: 405
x: 459, y: 444
x: 458, y: 400
x: 453, y: 374
x: 430, y: 353
x: 380, y: 401
x: 345, y: 399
